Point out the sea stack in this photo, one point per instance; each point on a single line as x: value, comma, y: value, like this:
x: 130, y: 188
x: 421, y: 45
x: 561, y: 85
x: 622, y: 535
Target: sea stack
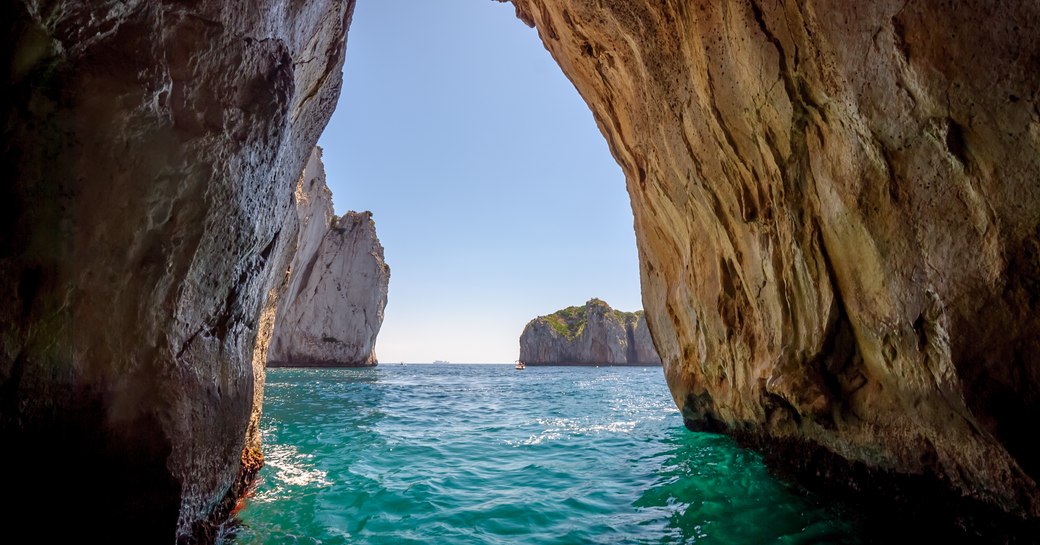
x: 333, y: 308
x: 593, y: 334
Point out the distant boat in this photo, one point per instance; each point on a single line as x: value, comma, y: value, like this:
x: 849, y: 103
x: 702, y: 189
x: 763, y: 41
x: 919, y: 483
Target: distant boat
x: 519, y: 365
x: 441, y: 362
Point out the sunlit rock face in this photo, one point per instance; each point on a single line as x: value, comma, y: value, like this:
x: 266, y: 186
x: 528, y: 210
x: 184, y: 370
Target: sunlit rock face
x: 149, y: 154
x: 836, y: 207
x: 593, y: 334
x: 333, y: 308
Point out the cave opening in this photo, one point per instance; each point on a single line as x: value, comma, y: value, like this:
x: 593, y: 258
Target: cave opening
x: 493, y: 192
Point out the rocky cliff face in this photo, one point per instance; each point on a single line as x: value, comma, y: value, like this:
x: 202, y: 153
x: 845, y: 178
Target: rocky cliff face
x: 331, y: 313
x: 838, y: 219
x: 589, y: 335
x: 149, y: 152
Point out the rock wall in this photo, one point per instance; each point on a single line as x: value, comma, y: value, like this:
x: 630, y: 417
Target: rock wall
x: 149, y: 152
x: 331, y: 314
x: 836, y: 208
x: 594, y: 334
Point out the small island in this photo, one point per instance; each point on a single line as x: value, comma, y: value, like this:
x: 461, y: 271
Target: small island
x: 593, y: 334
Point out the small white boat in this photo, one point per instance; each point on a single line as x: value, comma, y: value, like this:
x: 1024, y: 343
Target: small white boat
x: 519, y: 365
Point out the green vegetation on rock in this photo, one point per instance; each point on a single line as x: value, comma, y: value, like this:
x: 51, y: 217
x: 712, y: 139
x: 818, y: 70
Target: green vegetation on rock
x: 571, y: 321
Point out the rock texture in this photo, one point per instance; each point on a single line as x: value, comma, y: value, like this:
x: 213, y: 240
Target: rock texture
x: 838, y: 219
x: 149, y: 152
x: 594, y: 334
x: 331, y: 314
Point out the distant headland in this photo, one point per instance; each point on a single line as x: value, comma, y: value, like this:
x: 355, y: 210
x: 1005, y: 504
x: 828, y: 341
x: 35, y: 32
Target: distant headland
x: 593, y: 334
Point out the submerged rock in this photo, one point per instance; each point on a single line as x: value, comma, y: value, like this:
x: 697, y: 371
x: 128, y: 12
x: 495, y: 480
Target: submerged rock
x: 838, y: 219
x: 594, y: 334
x: 149, y: 152
x: 331, y: 313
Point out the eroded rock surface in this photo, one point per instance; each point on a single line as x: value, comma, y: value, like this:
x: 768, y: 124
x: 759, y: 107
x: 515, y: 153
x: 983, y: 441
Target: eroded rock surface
x: 331, y: 314
x: 836, y: 207
x: 149, y: 153
x: 593, y: 334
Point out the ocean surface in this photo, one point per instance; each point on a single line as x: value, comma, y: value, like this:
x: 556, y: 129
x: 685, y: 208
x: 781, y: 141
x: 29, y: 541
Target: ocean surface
x: 485, y: 454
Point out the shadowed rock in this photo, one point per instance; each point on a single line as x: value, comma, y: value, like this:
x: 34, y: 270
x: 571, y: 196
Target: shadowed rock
x: 149, y: 152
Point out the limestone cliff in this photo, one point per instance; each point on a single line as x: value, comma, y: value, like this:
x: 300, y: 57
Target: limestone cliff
x: 594, y: 334
x: 149, y: 151
x: 331, y: 313
x: 838, y: 220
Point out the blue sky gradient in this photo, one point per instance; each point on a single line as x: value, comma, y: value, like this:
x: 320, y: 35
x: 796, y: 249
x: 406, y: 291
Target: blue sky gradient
x: 493, y: 191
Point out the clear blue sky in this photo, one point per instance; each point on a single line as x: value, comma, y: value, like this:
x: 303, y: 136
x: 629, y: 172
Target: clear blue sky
x: 493, y: 191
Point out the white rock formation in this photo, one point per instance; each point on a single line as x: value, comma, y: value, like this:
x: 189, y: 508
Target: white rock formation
x: 333, y: 309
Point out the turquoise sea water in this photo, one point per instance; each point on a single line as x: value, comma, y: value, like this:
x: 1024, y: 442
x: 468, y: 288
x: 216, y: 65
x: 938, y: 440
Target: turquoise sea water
x: 475, y: 454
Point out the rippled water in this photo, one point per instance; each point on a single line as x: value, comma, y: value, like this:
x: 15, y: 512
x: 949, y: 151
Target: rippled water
x: 474, y: 454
